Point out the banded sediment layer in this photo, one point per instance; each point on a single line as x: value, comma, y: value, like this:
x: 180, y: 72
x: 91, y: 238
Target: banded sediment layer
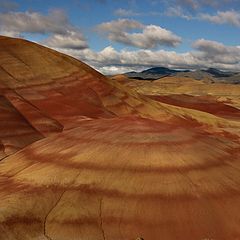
x: 106, y: 162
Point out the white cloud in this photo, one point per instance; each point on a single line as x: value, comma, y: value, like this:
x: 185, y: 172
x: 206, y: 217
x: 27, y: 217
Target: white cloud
x: 119, y: 25
x: 56, y: 23
x: 229, y: 17
x: 206, y: 54
x: 32, y: 22
x: 72, y: 40
x: 197, y: 4
x: 10, y: 34
x: 215, y: 52
x: 177, y: 11
x: 191, y: 10
x: 213, y: 47
x: 221, y: 17
x: 65, y: 37
x: 151, y: 36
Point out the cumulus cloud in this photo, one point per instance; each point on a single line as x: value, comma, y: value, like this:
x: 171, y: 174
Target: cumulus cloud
x: 215, y: 52
x: 151, y: 36
x: 205, y: 54
x: 119, y: 25
x: 73, y: 40
x: 197, y: 4
x: 230, y: 17
x: 56, y: 23
x: 11, y: 34
x: 220, y: 17
x: 193, y: 10
x: 32, y: 22
x: 177, y: 12
x: 63, y: 36
x: 212, y: 47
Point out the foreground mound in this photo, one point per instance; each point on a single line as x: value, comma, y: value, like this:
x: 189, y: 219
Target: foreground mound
x: 123, y: 178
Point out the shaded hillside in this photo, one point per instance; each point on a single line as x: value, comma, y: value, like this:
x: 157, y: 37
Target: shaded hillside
x: 111, y: 163
x: 15, y: 131
x: 210, y: 75
x: 218, y: 73
x: 152, y: 73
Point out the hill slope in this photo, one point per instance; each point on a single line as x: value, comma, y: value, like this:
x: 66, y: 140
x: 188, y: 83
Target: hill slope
x: 106, y: 162
x: 208, y: 75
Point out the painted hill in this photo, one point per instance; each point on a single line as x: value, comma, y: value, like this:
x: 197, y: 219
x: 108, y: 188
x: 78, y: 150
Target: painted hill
x: 178, y: 87
x: 106, y: 162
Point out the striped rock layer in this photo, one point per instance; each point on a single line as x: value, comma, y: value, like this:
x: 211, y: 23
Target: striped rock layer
x: 85, y: 157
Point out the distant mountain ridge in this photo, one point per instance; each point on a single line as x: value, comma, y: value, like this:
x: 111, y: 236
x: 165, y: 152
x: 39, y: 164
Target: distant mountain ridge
x: 162, y: 70
x: 153, y: 73
x: 219, y: 73
x: 210, y: 74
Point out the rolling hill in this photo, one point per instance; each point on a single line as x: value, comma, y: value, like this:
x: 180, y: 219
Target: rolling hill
x: 108, y: 158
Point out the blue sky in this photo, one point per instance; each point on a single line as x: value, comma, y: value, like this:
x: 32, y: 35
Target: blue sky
x: 118, y: 36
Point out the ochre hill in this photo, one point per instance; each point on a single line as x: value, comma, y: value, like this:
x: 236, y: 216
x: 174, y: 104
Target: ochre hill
x: 53, y: 92
x: 219, y: 99
x: 104, y: 162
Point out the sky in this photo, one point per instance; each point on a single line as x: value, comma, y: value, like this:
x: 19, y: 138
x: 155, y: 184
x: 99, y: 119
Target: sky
x: 131, y: 35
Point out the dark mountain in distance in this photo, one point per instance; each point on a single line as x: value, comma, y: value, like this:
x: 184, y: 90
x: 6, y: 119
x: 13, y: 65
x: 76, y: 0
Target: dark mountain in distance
x: 162, y: 70
x: 210, y: 74
x: 213, y: 75
x: 154, y: 73
x: 218, y: 73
